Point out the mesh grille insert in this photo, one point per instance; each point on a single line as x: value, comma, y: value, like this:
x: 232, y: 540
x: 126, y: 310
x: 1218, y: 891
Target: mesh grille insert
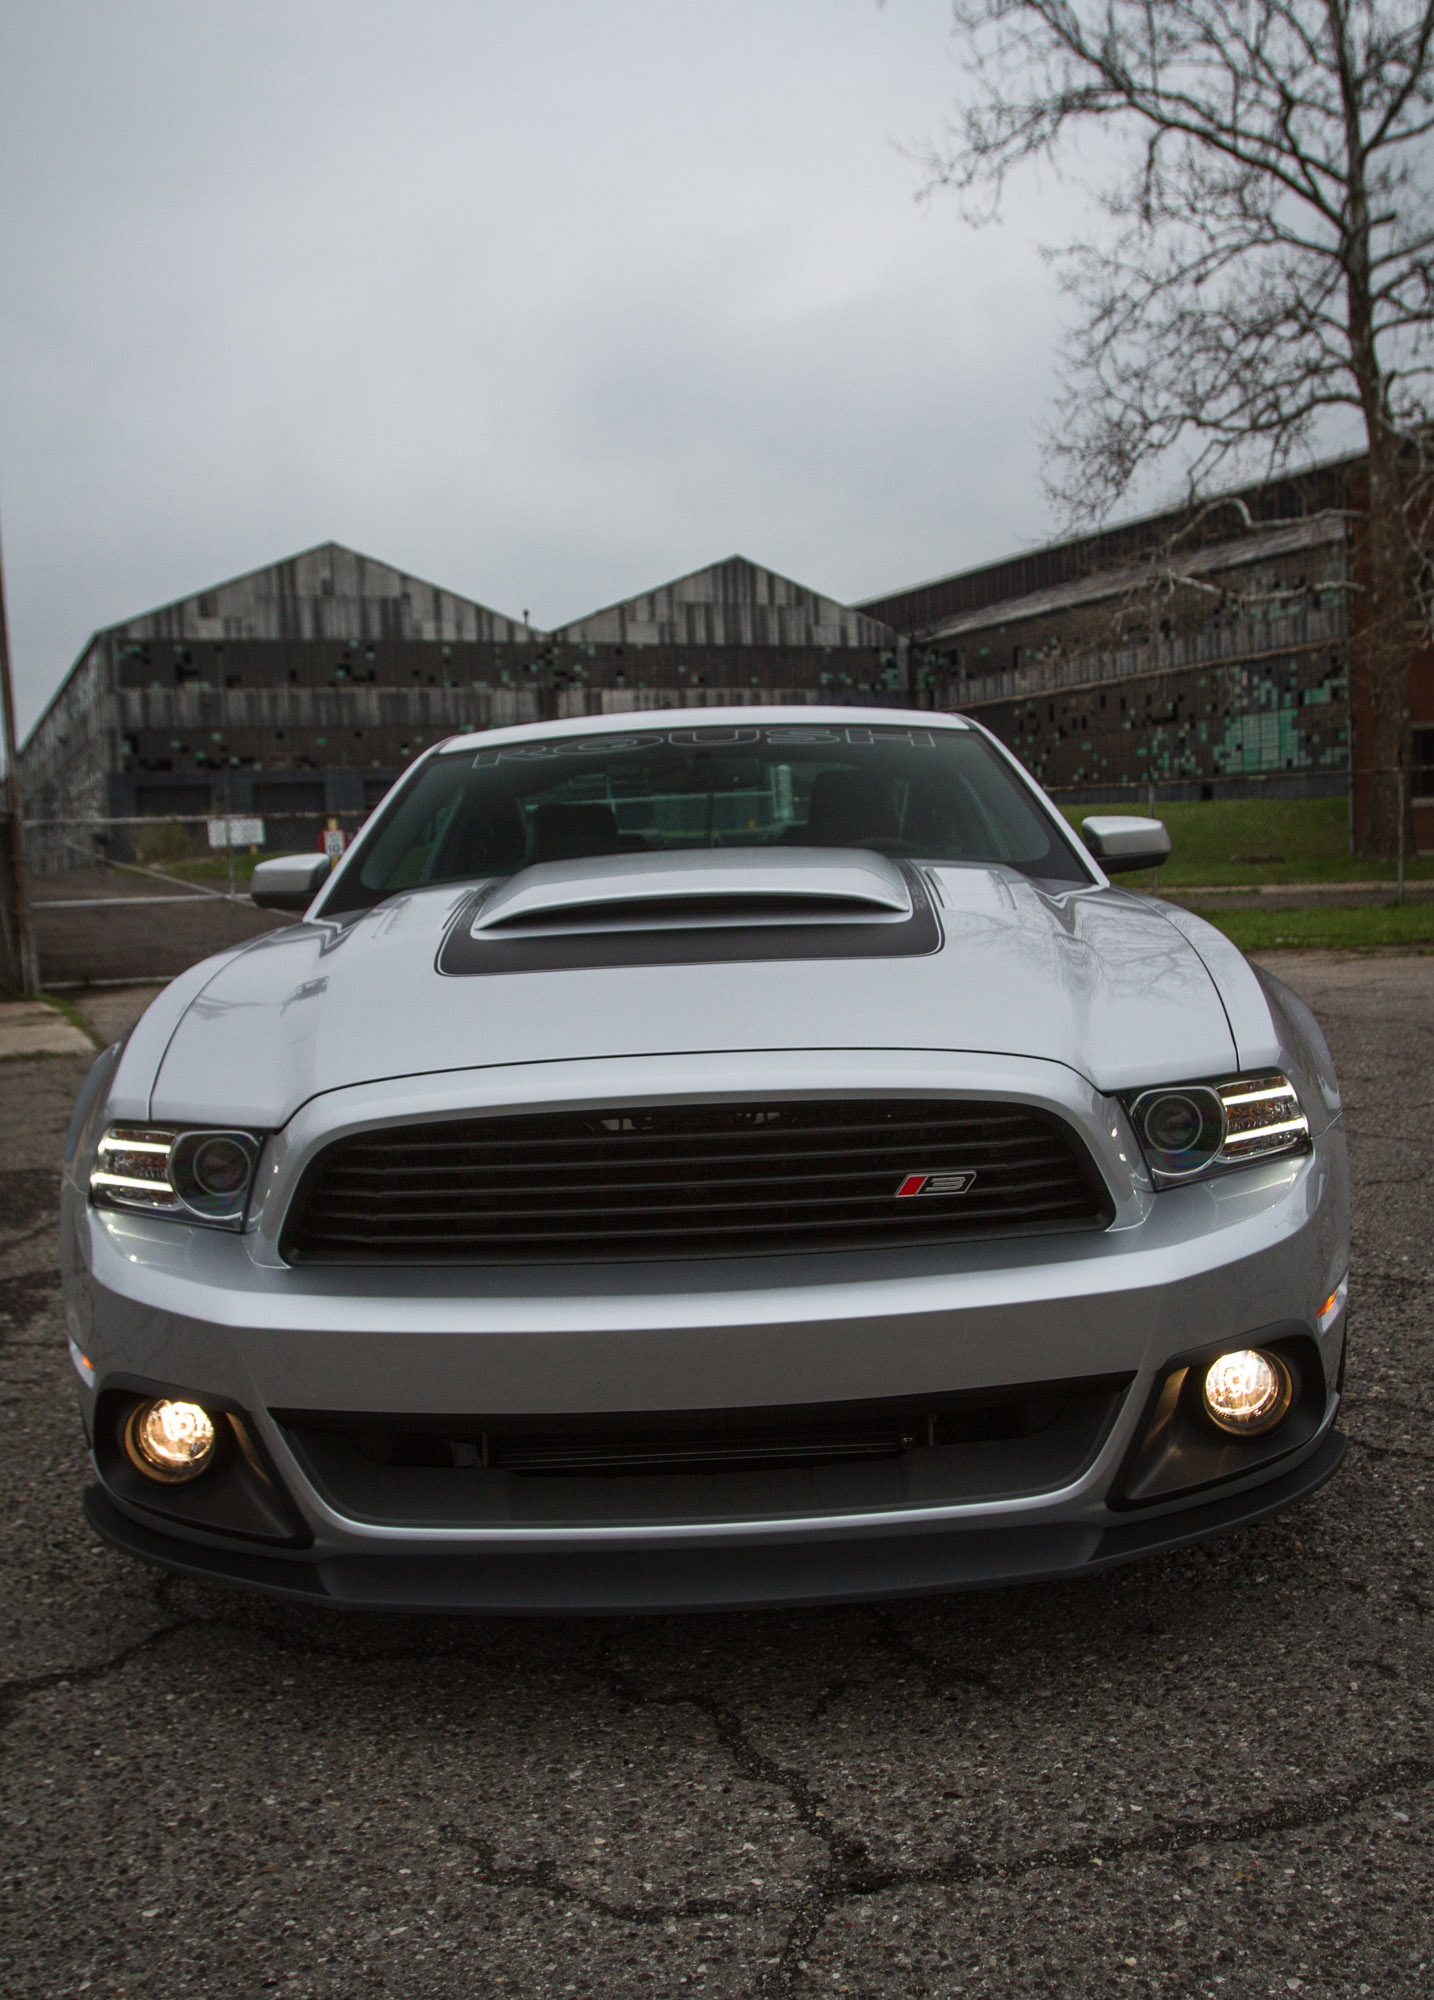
x: 692, y: 1181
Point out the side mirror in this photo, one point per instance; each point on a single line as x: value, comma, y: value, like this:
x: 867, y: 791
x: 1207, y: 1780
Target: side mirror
x: 1121, y: 843
x: 289, y: 881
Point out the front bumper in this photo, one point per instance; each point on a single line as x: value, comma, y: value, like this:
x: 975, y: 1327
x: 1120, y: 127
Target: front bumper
x: 210, y: 1314
x: 753, y: 1576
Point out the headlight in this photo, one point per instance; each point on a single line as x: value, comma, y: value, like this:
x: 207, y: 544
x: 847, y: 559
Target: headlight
x: 1189, y: 1129
x: 196, y: 1176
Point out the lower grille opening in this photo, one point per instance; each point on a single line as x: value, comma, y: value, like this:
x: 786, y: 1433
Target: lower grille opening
x: 536, y: 1446
x: 711, y: 1462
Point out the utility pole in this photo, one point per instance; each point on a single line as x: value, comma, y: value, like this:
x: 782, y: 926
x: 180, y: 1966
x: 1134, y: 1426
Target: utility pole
x: 16, y: 890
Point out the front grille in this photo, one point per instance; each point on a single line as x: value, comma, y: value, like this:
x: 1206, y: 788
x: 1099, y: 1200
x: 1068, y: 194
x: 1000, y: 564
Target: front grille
x: 692, y: 1181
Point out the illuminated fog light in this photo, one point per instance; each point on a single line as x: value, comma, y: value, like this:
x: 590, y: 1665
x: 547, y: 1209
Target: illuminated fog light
x: 1247, y: 1392
x: 170, y: 1440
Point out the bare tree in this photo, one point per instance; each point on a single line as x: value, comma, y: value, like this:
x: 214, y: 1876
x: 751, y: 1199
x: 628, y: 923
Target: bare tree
x: 1267, y: 262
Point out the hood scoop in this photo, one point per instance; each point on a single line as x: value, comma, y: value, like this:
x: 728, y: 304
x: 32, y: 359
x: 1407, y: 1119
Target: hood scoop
x: 715, y: 906
x: 710, y: 888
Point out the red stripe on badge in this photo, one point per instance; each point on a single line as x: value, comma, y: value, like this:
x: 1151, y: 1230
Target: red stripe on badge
x: 913, y: 1184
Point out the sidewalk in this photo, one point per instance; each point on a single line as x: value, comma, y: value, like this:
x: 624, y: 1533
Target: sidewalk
x: 38, y: 1028
x: 30, y: 1028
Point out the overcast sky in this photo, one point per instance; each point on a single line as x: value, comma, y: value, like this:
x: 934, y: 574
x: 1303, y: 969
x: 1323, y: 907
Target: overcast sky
x: 545, y: 300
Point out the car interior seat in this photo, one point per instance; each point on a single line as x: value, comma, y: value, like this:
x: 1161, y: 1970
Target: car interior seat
x: 849, y: 807
x: 488, y: 836
x: 944, y: 819
x: 564, y: 832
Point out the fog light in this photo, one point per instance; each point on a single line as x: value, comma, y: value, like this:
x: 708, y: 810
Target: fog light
x: 169, y: 1440
x: 1247, y: 1392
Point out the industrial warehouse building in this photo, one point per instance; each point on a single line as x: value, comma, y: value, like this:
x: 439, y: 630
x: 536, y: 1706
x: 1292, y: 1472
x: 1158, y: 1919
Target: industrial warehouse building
x: 301, y: 690
x: 1200, y: 654
x: 1194, y: 653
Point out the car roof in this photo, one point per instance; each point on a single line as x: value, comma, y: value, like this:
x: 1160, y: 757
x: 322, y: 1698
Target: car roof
x: 692, y: 718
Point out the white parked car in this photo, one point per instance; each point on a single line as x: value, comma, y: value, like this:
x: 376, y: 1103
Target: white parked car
x: 708, y: 1158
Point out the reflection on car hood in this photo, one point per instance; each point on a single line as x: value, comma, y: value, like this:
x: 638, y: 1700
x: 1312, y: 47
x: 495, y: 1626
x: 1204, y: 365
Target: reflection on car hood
x: 1099, y: 980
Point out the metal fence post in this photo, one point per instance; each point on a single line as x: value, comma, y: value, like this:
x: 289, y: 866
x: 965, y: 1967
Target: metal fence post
x: 1399, y: 845
x: 1150, y: 814
x: 228, y: 841
x: 17, y: 891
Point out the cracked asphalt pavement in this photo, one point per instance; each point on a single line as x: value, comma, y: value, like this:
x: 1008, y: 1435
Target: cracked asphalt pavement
x: 1206, y: 1775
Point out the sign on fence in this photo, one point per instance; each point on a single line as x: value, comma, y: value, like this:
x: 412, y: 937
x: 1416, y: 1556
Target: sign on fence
x: 236, y: 832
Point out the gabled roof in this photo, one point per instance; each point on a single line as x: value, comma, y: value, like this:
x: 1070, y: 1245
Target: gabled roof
x: 731, y: 603
x: 329, y: 593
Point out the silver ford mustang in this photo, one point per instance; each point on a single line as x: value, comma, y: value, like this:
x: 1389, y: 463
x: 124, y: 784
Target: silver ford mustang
x: 732, y: 1157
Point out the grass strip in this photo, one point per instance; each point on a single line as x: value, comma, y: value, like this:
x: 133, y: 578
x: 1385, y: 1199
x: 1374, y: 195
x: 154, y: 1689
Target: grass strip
x: 1220, y: 843
x: 72, y: 1014
x: 1369, y: 929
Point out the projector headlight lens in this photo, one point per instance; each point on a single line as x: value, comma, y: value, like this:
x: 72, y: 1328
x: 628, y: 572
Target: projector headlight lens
x: 1190, y: 1129
x: 170, y: 1440
x: 1247, y: 1392
x: 1181, y: 1130
x: 211, y: 1172
x: 196, y: 1176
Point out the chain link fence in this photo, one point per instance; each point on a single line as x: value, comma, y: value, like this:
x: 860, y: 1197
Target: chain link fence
x: 118, y: 901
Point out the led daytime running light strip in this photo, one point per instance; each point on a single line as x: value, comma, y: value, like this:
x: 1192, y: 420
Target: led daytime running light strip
x: 130, y: 1148
x: 99, y: 1178
x: 1300, y: 1124
x: 1253, y: 1121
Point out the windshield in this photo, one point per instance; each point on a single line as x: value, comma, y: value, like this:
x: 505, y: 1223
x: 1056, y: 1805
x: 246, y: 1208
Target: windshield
x: 935, y: 794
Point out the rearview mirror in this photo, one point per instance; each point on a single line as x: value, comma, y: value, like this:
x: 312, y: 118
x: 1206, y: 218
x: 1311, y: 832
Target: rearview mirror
x: 289, y: 881
x: 1121, y: 843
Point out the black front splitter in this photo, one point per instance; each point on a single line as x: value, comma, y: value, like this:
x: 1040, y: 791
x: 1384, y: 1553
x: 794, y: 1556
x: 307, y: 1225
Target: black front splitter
x: 728, y: 1576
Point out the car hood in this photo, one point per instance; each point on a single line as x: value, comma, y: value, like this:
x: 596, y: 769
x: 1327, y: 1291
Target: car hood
x: 1097, y: 979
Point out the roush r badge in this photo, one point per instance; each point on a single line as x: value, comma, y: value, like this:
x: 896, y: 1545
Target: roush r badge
x: 934, y: 1184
